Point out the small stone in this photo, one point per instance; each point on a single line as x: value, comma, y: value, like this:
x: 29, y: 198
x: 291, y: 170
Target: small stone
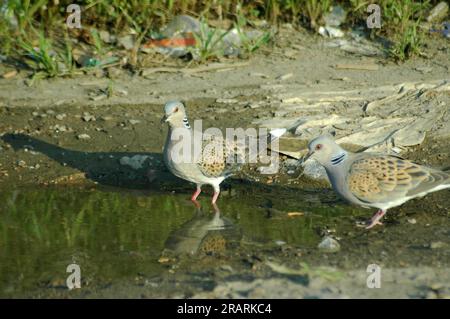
x: 10, y: 74
x: 253, y: 105
x: 105, y: 36
x: 438, y: 12
x: 412, y: 221
x: 122, y: 92
x: 226, y: 268
x: 60, y: 117
x: 21, y: 163
x: 226, y: 101
x: 106, y: 118
x: 257, y: 74
x: 83, y: 137
x: 292, y: 163
x: 329, y: 244
x: 114, y: 72
x: 163, y: 260
x: 438, y: 245
x: 98, y: 97
x: 133, y: 122
x: 284, y: 76
x: 127, y: 42
x: 60, y: 128
x: 88, y: 117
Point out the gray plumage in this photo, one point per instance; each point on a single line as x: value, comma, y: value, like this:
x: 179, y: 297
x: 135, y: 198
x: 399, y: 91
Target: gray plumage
x: 209, y: 160
x: 372, y: 179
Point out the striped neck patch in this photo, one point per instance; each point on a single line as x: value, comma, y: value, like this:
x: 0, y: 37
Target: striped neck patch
x: 339, y: 158
x: 186, y: 123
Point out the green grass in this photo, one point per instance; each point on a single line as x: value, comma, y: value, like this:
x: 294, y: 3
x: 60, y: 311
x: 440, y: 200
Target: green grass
x: 208, y: 42
x: 407, y: 44
x: 145, y: 17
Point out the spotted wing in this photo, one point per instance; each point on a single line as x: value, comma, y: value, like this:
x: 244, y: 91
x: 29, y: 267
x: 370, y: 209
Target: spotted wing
x: 382, y: 178
x: 220, y: 157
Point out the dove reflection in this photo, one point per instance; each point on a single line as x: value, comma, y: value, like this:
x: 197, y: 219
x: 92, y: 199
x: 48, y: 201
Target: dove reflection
x: 204, y: 233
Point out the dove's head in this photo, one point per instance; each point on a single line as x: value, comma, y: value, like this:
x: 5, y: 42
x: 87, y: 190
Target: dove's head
x: 175, y: 114
x: 325, y: 150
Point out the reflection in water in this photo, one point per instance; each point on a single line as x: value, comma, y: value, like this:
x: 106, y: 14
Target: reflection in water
x: 115, y: 236
x: 205, y: 232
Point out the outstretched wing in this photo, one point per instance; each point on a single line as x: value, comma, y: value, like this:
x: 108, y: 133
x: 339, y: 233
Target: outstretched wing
x: 382, y: 178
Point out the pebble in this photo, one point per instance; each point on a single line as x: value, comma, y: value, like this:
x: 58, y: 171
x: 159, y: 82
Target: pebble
x: 83, y: 137
x: 98, y: 97
x: 285, y: 76
x: 10, y: 74
x: 329, y: 244
x: 133, y: 122
x: 88, y: 117
x: 60, y: 117
x: 253, y: 105
x: 412, y: 221
x: 257, y: 74
x: 437, y: 245
x: 59, y: 128
x: 127, y: 42
x: 226, y: 101
x: 21, y: 163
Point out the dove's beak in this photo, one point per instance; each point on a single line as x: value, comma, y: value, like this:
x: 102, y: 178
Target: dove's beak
x: 306, y: 157
x: 164, y: 119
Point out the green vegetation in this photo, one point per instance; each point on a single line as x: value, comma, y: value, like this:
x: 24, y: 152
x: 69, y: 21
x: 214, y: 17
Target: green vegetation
x: 35, y: 30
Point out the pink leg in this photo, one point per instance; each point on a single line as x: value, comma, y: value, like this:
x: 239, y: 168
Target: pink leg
x: 195, y: 195
x: 196, y: 204
x: 375, y: 220
x: 215, y: 196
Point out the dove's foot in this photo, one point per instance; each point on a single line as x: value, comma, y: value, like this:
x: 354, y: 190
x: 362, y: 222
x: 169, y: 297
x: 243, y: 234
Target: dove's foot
x: 195, y: 195
x: 214, y: 198
x: 375, y: 220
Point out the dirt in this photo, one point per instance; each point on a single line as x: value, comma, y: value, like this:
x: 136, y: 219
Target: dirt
x: 59, y: 144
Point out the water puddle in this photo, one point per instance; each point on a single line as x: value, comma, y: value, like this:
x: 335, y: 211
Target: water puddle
x: 163, y: 242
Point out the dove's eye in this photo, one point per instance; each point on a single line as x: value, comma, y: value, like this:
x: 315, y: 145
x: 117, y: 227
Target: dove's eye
x: 175, y: 110
x: 319, y: 147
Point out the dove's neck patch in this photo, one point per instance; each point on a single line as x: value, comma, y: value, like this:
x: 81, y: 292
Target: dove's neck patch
x: 186, y: 123
x: 339, y: 158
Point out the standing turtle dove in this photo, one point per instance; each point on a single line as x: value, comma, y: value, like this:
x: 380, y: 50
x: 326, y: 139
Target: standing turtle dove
x: 211, y: 165
x: 374, y: 180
